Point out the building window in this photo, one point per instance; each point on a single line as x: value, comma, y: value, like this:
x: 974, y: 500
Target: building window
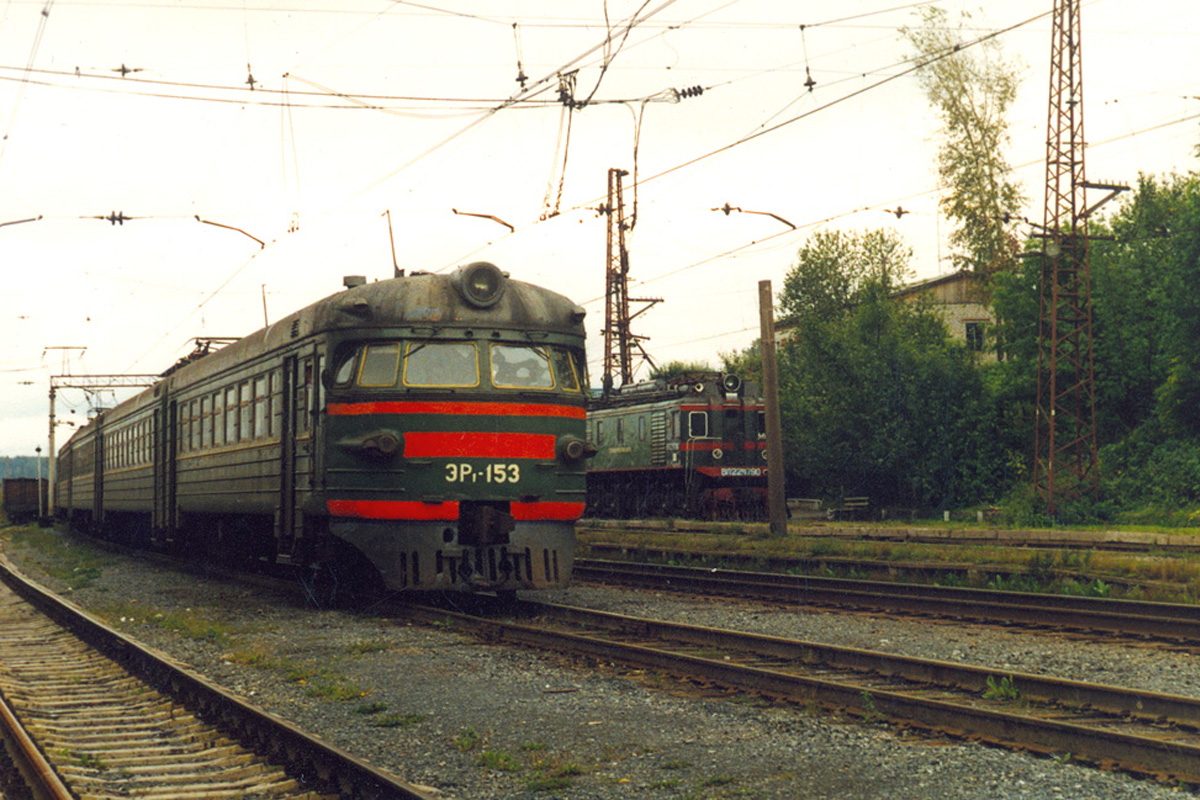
x: 975, y: 332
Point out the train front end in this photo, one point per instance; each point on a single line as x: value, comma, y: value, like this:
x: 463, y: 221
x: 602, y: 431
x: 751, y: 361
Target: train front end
x: 455, y: 443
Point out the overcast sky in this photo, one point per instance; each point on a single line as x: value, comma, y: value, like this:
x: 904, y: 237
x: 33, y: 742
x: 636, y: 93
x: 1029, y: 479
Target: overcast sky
x: 365, y: 110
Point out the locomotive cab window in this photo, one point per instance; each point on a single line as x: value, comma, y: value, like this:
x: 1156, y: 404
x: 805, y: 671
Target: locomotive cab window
x: 380, y: 365
x: 564, y: 370
x: 697, y: 424
x: 345, y: 369
x: 521, y: 367
x: 452, y: 364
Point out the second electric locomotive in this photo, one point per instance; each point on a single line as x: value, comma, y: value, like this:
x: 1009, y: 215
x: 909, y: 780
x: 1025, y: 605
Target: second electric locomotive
x: 694, y: 446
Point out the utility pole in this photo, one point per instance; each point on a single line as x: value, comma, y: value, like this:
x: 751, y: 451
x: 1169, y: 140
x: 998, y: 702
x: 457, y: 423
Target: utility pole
x: 1065, y: 461
x: 776, y: 496
x: 619, y: 341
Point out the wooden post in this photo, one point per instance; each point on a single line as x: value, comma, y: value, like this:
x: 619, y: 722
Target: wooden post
x: 776, y: 501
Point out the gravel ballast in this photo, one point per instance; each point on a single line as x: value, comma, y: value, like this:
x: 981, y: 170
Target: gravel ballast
x: 471, y: 720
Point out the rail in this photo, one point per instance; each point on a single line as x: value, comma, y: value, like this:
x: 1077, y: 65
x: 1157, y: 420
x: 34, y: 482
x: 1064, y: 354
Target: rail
x: 1146, y: 733
x: 271, y: 737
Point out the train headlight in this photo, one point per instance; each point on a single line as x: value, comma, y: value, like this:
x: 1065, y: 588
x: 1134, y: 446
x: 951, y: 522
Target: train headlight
x: 572, y: 448
x: 732, y: 384
x: 481, y: 284
x: 382, y: 445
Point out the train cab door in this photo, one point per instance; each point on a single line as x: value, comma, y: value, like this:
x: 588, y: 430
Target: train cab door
x: 285, y: 533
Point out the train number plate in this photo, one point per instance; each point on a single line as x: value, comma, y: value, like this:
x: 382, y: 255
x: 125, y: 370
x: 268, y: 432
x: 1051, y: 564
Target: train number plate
x: 740, y: 472
x: 463, y: 472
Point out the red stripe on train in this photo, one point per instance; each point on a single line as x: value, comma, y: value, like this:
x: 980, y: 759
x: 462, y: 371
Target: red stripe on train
x: 459, y: 407
x: 392, y: 509
x: 568, y: 512
x: 445, y: 511
x: 455, y: 444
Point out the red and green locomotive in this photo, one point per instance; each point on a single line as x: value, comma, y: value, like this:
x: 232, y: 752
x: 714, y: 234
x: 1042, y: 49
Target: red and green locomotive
x: 694, y: 446
x: 428, y: 427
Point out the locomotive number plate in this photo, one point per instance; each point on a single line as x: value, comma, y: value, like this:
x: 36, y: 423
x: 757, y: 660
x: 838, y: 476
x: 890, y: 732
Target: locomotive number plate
x: 463, y: 472
x: 740, y: 472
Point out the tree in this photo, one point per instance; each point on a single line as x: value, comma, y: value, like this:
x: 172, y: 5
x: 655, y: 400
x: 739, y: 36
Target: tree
x: 680, y: 369
x: 971, y: 90
x: 881, y: 401
x: 833, y: 268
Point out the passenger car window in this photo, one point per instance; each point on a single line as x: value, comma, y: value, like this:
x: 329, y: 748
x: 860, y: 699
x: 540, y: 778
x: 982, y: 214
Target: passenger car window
x: 441, y: 364
x: 521, y: 367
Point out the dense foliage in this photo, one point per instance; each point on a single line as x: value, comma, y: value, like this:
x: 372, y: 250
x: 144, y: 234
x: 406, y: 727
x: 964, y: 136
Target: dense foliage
x: 878, y: 400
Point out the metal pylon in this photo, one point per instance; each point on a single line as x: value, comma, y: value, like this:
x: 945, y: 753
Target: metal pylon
x: 619, y: 341
x: 1066, y: 463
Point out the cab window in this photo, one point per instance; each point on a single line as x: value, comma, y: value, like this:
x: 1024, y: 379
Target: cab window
x: 564, y: 371
x: 453, y: 364
x: 521, y: 367
x: 380, y: 365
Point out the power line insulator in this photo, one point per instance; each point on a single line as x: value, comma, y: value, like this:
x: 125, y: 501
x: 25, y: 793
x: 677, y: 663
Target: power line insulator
x: 691, y: 91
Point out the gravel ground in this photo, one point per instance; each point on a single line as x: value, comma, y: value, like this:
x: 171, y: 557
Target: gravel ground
x: 469, y: 720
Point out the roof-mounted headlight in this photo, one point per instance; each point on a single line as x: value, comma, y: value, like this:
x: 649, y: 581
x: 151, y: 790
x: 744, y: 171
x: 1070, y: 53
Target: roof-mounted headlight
x: 481, y: 284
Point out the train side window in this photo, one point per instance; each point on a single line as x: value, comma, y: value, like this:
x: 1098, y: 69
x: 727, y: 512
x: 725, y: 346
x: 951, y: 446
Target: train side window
x: 762, y: 424
x: 261, y: 406
x: 564, y: 371
x: 599, y: 432
x: 620, y: 431
x: 195, y: 415
x: 697, y: 424
x: 453, y: 364
x: 276, y: 408
x: 641, y: 429
x: 206, y: 422
x: 674, y: 424
x: 218, y: 417
x: 246, y: 412
x: 231, y: 415
x: 380, y: 365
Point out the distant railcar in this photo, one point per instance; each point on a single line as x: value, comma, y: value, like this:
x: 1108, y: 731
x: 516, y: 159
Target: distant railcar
x: 692, y: 447
x: 21, y: 501
x: 427, y: 429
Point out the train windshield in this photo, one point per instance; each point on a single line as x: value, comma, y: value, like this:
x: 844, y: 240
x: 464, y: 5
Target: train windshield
x: 377, y: 365
x: 521, y: 367
x: 441, y: 364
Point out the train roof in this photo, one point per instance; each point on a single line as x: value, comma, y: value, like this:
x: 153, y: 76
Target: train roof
x: 478, y: 296
x: 425, y: 303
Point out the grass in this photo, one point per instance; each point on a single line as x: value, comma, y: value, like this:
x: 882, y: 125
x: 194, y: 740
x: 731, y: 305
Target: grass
x: 397, y: 720
x: 368, y: 646
x: 1005, y: 690
x: 468, y: 739
x: 1091, y: 573
x: 76, y: 563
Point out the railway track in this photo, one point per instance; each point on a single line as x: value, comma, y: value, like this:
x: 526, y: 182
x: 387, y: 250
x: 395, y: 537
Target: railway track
x: 1145, y: 733
x: 110, y: 719
x: 891, y: 570
x: 1171, y: 623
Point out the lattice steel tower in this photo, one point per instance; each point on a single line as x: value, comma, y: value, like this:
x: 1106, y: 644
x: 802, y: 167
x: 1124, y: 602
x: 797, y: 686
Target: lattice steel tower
x: 1066, y: 464
x: 619, y: 341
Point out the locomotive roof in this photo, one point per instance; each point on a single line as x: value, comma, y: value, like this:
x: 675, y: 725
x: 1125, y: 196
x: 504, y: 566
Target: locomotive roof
x: 422, y: 302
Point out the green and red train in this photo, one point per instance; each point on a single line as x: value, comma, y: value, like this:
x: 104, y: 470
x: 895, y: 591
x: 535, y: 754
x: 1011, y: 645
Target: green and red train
x: 428, y: 429
x: 693, y: 446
